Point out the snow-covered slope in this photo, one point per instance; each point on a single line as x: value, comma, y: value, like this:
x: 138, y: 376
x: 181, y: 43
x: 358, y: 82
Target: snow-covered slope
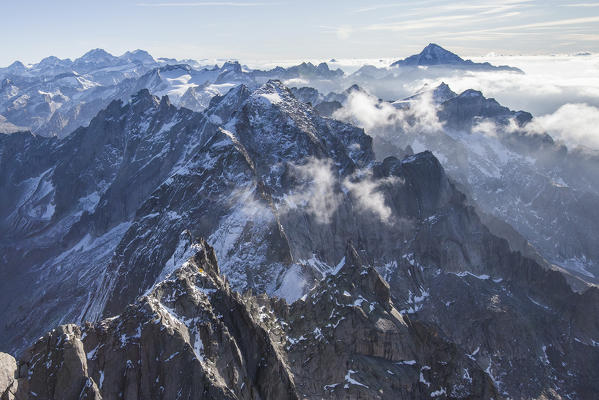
x: 54, y: 96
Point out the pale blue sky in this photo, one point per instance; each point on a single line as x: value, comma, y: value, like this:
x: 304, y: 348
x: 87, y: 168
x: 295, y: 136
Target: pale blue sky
x: 281, y: 29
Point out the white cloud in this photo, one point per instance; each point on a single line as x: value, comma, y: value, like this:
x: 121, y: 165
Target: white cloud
x: 366, y: 111
x: 574, y: 124
x: 548, y: 83
x: 369, y: 196
x: 559, y: 22
x: 320, y: 192
x: 434, y: 22
x: 486, y: 127
x: 316, y: 190
x: 377, y: 7
x: 252, y: 206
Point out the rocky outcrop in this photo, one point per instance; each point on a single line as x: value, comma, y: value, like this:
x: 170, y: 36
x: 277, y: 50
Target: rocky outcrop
x: 464, y: 111
x: 192, y: 337
x: 378, y: 352
x: 8, y: 371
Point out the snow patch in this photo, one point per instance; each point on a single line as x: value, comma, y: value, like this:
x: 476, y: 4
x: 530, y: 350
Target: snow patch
x: 292, y: 285
x: 350, y: 381
x: 272, y: 98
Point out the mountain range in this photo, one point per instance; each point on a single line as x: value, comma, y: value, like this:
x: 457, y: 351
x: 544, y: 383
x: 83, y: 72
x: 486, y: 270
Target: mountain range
x: 54, y: 96
x: 260, y: 244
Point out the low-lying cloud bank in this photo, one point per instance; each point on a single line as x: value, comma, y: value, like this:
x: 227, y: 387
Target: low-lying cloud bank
x: 548, y: 82
x: 574, y: 124
x: 577, y: 125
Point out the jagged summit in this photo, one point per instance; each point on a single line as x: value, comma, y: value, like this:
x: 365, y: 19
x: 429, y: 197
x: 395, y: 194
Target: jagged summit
x: 439, y: 94
x: 353, y: 88
x: 190, y: 334
x: 232, y: 71
x: 175, y: 67
x: 144, y: 100
x: 471, y: 93
x: 443, y: 92
x: 323, y: 67
x: 305, y: 69
x: 469, y: 107
x: 52, y: 61
x: 234, y: 66
x: 274, y: 91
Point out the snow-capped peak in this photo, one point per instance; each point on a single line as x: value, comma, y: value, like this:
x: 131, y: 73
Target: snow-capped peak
x: 138, y: 55
x: 433, y: 54
x: 96, y: 56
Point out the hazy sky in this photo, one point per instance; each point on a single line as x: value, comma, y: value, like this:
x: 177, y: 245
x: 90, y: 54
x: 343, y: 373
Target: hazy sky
x: 281, y: 29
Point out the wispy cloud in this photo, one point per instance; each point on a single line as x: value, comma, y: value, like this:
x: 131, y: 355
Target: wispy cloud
x: 484, y: 8
x: 575, y: 124
x: 473, y: 8
x: 587, y: 37
x: 205, y: 4
x: 435, y: 22
x: 507, y: 30
x: 369, y: 195
x: 560, y: 22
x: 478, y: 20
x: 376, y: 7
x: 315, y: 190
x: 417, y: 24
x: 581, y: 5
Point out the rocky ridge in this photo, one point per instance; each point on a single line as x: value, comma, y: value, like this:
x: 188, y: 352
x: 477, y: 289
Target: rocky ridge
x: 191, y: 337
